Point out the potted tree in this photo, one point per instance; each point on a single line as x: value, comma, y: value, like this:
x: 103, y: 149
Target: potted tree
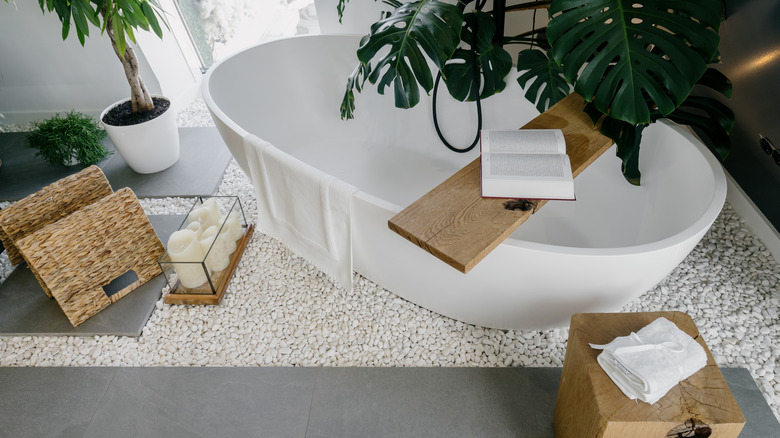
x: 633, y: 61
x: 142, y: 127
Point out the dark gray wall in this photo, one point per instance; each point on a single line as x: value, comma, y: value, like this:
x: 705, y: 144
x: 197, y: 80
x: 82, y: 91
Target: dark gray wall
x: 750, y: 50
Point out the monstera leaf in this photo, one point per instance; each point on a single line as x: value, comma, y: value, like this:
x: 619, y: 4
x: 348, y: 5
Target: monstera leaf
x: 630, y: 57
x: 428, y: 26
x: 627, y: 138
x: 355, y: 82
x: 548, y: 85
x: 493, y: 63
x: 711, y: 118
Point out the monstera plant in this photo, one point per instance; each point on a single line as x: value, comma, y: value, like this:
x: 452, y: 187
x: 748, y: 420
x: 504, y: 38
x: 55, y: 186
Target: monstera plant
x: 633, y: 61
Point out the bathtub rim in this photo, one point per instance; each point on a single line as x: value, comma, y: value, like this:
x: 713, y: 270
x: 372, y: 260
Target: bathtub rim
x: 694, y: 230
x: 206, y: 80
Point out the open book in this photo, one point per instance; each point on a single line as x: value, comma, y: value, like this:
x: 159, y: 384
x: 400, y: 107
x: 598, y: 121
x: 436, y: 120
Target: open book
x: 526, y: 163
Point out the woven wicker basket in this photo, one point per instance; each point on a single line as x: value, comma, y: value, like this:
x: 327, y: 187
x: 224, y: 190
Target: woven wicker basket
x: 78, y: 236
x: 49, y: 205
x: 78, y: 255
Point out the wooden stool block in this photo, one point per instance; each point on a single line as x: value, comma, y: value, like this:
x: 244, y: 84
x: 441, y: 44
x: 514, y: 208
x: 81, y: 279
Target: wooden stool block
x: 49, y: 205
x: 589, y: 404
x: 78, y: 255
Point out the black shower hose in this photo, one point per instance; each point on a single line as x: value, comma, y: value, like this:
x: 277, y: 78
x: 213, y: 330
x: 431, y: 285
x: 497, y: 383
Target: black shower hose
x: 477, y: 100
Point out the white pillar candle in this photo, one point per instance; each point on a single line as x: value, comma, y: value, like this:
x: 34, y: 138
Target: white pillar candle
x: 196, y: 227
x: 230, y: 244
x: 233, y: 229
x: 183, y: 246
x: 211, y: 207
x: 227, y: 245
x: 198, y: 215
x: 207, y: 214
x: 216, y: 257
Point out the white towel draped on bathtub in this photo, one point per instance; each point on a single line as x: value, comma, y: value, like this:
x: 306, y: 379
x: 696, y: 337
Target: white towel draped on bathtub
x: 304, y: 208
x: 647, y: 364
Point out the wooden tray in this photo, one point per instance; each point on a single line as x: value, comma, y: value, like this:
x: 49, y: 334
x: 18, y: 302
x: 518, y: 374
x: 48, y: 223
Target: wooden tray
x: 203, y: 294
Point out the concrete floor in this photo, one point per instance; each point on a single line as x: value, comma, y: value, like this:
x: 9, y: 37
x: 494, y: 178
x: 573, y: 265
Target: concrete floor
x: 202, y: 162
x: 302, y: 402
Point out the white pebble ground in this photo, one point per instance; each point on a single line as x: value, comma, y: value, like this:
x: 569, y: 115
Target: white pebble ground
x: 281, y: 311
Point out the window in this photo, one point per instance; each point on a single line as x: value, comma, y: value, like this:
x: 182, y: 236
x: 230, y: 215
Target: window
x: 218, y: 28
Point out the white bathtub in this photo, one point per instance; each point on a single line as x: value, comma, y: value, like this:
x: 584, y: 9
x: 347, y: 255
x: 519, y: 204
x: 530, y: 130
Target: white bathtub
x: 595, y: 254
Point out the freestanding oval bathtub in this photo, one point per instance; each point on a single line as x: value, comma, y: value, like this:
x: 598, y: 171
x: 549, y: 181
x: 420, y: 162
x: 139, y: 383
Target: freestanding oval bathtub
x: 594, y: 254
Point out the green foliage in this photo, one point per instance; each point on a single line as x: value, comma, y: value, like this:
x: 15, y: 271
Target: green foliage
x: 627, y: 138
x: 634, y: 61
x: 342, y: 4
x: 124, y: 17
x: 59, y: 139
x: 632, y: 56
x: 428, y: 26
x: 355, y: 81
x: 711, y: 118
x: 340, y: 10
x: 547, y: 84
x: 493, y: 63
x: 119, y: 19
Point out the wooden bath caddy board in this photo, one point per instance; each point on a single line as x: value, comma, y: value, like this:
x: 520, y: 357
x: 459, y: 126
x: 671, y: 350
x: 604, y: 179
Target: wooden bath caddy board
x: 76, y: 256
x: 203, y: 294
x: 454, y: 223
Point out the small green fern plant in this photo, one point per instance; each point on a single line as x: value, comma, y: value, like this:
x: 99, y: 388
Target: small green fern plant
x: 75, y: 136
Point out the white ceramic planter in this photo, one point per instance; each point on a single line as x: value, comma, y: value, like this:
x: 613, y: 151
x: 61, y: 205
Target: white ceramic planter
x: 147, y: 147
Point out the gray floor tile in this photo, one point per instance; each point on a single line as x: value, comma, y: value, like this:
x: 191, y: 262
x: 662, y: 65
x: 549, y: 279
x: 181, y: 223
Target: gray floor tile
x: 760, y: 421
x: 50, y: 402
x: 202, y: 162
x: 26, y: 310
x: 205, y: 402
x: 433, y: 402
x: 23, y: 173
x: 543, y: 390
x: 279, y: 402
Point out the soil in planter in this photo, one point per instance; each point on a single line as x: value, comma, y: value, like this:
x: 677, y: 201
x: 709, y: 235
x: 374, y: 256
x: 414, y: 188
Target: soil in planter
x: 123, y: 115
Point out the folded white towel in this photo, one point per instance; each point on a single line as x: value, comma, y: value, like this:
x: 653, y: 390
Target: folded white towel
x: 303, y: 207
x: 647, y: 364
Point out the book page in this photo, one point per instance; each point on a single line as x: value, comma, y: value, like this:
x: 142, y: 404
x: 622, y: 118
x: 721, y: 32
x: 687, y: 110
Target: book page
x: 527, y: 141
x: 527, y: 165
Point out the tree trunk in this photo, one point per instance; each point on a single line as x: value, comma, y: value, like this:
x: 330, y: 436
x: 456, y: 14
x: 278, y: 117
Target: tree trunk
x: 140, y: 99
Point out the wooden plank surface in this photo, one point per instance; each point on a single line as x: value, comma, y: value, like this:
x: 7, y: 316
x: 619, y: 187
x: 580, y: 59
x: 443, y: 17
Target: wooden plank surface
x: 454, y: 223
x: 590, y: 404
